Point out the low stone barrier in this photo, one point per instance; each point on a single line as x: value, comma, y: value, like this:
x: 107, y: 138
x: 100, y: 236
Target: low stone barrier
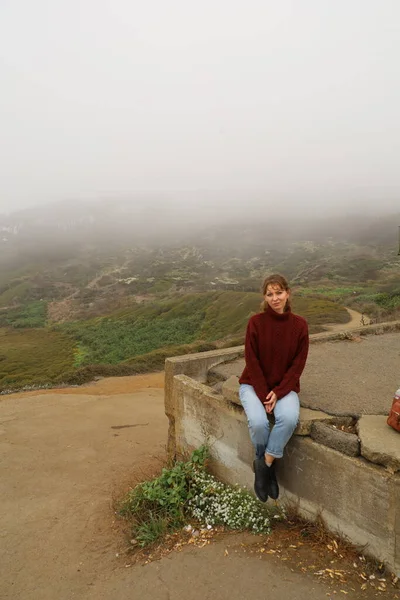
x: 355, y: 497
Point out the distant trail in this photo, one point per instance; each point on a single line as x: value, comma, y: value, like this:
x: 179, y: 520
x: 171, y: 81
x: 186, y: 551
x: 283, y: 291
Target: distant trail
x: 355, y: 321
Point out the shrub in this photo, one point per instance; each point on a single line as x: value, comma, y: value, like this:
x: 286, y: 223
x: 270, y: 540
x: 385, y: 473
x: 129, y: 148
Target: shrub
x: 31, y: 315
x: 15, y: 293
x: 187, y: 491
x: 111, y: 340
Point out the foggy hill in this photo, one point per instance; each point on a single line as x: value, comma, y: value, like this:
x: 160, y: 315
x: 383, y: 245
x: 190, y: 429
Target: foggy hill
x: 156, y: 220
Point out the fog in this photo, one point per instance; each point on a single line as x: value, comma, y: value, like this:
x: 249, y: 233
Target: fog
x: 289, y: 104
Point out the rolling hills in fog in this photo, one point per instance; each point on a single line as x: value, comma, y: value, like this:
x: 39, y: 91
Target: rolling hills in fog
x: 121, y: 286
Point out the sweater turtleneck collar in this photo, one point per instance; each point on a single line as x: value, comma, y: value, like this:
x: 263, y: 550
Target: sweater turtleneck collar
x: 278, y: 316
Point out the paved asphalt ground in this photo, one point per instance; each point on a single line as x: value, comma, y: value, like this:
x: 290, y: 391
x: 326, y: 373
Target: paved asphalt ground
x: 346, y: 377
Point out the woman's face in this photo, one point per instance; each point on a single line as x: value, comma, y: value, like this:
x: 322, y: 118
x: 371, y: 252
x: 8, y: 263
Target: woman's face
x: 276, y: 298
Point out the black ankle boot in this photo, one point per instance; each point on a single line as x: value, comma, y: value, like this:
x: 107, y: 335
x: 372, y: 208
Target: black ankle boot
x: 260, y: 479
x: 272, y: 484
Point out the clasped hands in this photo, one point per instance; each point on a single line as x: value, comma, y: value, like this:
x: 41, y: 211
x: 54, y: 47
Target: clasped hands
x: 270, y: 401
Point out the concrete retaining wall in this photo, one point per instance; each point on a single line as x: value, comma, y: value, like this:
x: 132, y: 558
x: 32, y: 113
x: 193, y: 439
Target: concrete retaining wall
x: 359, y: 500
x: 196, y: 366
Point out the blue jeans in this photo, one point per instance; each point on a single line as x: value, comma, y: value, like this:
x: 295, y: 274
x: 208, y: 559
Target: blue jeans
x: 267, y: 439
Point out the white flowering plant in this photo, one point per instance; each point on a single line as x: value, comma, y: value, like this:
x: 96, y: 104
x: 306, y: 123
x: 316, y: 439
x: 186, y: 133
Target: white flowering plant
x: 215, y: 503
x: 188, y: 491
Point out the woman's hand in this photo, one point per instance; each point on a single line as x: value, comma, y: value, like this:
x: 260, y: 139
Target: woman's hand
x: 270, y: 402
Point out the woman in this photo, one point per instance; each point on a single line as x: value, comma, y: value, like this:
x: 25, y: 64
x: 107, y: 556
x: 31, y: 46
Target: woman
x: 276, y: 351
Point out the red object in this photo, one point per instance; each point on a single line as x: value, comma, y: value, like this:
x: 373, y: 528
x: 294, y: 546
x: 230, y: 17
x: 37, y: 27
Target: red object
x: 276, y: 350
x: 394, y: 415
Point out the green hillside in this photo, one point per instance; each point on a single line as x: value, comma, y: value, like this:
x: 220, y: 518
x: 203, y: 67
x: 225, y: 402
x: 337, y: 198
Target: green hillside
x: 135, y: 339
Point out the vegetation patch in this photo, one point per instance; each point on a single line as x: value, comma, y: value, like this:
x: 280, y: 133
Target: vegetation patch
x: 387, y: 300
x: 187, y: 492
x: 332, y: 293
x: 31, y: 315
x: 33, y: 357
x: 145, y: 363
x: 138, y: 331
x: 228, y: 314
x: 319, y: 311
x: 15, y: 293
x: 141, y: 330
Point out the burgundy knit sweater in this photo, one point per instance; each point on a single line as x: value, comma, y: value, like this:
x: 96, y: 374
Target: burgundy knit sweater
x: 276, y: 351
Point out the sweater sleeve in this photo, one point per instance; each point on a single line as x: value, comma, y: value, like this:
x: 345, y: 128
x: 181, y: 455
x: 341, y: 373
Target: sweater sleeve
x: 251, y: 353
x: 291, y: 378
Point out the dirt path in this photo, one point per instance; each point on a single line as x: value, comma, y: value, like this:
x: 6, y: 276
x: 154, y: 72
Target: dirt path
x: 108, y: 386
x: 356, y: 320
x: 64, y: 455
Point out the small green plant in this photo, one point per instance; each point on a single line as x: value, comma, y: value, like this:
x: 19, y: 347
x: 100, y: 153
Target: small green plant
x: 152, y: 530
x: 188, y: 492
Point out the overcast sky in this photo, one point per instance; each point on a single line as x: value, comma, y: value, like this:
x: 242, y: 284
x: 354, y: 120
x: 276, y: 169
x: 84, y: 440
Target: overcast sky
x: 299, y: 99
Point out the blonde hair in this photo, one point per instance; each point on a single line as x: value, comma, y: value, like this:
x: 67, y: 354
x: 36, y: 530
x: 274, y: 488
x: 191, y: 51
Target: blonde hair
x: 280, y: 281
